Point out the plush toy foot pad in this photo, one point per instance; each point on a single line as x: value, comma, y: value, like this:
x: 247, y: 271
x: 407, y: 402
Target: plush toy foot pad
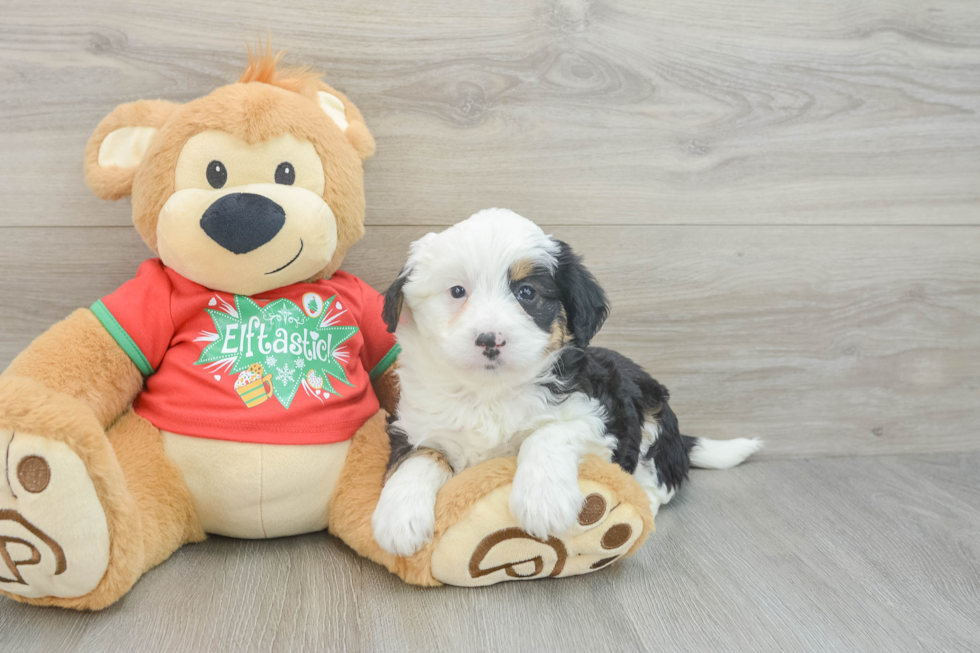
x: 487, y: 546
x: 54, y: 539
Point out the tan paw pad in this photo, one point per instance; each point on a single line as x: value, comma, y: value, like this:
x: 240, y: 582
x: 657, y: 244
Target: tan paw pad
x: 471, y: 553
x: 54, y: 539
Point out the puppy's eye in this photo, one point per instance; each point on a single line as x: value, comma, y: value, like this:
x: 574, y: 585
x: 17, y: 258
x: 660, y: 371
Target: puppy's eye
x: 457, y: 292
x: 526, y: 294
x: 285, y: 173
x: 217, y: 174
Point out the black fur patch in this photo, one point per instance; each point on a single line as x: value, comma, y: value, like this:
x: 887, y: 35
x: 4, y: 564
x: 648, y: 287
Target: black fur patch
x: 630, y: 396
x: 586, y: 306
x: 394, y: 298
x: 400, y: 446
x: 671, y: 453
x: 546, y: 306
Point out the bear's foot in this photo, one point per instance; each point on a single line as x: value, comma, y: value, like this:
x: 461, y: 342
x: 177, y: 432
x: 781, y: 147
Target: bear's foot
x: 486, y: 545
x: 54, y: 537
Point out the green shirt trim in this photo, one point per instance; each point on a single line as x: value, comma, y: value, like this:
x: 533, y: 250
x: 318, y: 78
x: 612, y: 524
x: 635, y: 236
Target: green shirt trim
x: 386, y: 362
x: 122, y: 338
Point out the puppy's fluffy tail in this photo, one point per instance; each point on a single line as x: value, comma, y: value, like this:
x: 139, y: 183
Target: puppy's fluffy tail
x: 720, y: 454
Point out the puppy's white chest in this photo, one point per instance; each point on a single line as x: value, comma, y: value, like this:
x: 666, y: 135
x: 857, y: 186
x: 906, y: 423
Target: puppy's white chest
x: 469, y: 433
x: 490, y: 434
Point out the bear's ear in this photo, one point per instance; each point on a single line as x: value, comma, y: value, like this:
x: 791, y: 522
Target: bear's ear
x: 118, y: 144
x: 343, y: 112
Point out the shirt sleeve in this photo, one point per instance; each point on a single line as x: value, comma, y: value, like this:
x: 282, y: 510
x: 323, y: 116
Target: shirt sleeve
x: 137, y: 316
x: 380, y: 349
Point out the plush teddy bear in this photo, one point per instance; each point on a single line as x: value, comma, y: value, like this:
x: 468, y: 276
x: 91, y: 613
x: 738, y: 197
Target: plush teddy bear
x: 238, y: 384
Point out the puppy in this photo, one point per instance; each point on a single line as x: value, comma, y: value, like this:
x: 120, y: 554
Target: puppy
x: 496, y: 361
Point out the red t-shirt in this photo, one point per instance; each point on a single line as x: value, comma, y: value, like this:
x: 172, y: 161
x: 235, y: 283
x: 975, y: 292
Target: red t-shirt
x: 288, y: 366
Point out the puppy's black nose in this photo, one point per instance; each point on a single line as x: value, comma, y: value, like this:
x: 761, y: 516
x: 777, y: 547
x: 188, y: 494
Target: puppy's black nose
x: 489, y: 340
x: 491, y: 344
x: 241, y: 222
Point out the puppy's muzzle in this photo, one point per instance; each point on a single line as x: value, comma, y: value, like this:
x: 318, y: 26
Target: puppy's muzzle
x: 242, y: 222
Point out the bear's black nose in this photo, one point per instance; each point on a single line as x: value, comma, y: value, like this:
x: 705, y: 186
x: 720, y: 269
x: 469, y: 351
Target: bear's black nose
x: 241, y: 222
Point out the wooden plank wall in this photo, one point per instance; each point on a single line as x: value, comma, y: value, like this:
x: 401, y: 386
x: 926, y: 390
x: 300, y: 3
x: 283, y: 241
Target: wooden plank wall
x: 783, y: 199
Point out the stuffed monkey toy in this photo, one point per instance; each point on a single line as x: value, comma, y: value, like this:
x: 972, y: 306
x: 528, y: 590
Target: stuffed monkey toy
x: 239, y: 383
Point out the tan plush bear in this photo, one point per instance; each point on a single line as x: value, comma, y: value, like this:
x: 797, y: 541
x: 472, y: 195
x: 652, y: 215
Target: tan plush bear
x: 238, y: 384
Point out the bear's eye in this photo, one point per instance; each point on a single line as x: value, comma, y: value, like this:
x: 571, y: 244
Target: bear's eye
x: 217, y: 174
x: 285, y: 173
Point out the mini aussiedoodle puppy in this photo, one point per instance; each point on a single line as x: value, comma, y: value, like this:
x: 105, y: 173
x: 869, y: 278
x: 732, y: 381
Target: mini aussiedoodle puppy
x: 494, y: 318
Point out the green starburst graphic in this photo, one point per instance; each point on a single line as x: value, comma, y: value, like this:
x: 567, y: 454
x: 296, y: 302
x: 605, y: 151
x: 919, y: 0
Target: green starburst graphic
x: 288, y: 342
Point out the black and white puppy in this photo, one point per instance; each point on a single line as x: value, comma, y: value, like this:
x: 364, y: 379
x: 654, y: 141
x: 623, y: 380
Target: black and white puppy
x: 494, y: 318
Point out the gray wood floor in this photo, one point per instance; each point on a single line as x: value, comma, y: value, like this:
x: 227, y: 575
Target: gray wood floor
x: 837, y: 554
x: 783, y: 200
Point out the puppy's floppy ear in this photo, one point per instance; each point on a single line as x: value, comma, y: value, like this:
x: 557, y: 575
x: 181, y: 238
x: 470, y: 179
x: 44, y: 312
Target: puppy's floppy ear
x: 118, y: 144
x: 586, y: 306
x: 394, y: 298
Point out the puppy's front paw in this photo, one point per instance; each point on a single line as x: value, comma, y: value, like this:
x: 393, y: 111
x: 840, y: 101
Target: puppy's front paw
x: 545, y: 500
x: 403, y: 521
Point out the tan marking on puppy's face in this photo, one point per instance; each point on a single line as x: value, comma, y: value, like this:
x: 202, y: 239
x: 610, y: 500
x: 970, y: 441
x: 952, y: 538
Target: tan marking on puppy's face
x: 247, y: 217
x: 559, y: 332
x: 521, y: 269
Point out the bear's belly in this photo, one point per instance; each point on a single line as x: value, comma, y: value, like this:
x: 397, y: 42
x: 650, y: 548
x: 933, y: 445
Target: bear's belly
x: 254, y: 491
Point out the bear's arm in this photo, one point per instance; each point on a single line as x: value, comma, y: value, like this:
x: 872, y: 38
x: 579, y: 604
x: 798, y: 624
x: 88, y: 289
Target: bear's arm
x: 78, y: 357
x: 386, y: 388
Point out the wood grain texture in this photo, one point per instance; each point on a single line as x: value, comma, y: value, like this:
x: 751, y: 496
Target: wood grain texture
x: 824, y: 341
x: 745, y: 178
x: 575, y: 111
x: 850, y: 555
